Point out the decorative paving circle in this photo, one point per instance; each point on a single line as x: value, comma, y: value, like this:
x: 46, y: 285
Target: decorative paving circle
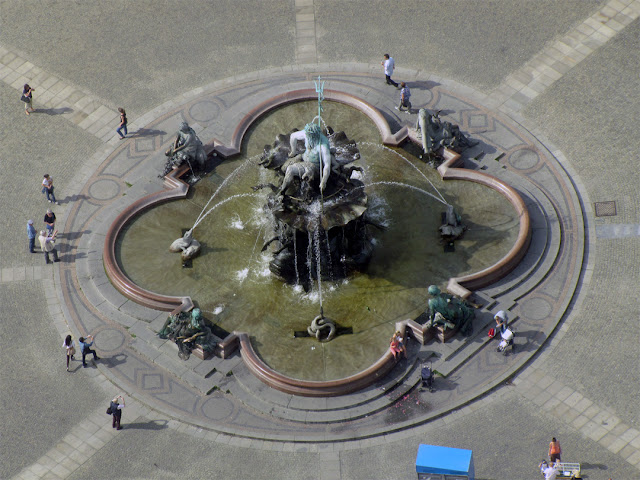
x: 104, y: 189
x: 109, y: 340
x: 524, y: 159
x: 204, y: 111
x: 217, y: 408
x: 184, y: 388
x: 536, y: 308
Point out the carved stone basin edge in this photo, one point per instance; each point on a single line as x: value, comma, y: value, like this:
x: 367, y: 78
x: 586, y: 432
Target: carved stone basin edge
x: 176, y: 189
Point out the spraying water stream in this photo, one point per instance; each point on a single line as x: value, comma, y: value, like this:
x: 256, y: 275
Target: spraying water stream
x: 407, y: 257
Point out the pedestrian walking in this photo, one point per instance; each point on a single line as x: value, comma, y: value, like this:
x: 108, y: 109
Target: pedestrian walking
x: 27, y: 98
x: 389, y: 64
x: 50, y: 221
x: 123, y: 123
x: 47, y: 244
x: 47, y: 189
x: 115, y: 407
x: 554, y: 450
x: 70, y: 346
x: 85, y: 349
x: 405, y: 94
x: 31, y: 235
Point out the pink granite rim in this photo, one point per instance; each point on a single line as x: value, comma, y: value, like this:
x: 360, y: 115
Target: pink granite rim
x: 449, y: 170
x: 301, y: 95
x: 310, y: 388
x: 177, y: 189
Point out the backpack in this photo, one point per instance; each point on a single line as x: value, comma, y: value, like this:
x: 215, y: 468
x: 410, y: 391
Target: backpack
x: 113, y: 408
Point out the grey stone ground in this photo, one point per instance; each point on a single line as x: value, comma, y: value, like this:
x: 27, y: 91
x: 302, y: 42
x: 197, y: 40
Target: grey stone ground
x: 125, y: 53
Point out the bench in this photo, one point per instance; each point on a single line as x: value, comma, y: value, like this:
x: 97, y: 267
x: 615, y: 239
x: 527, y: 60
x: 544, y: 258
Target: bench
x: 568, y: 470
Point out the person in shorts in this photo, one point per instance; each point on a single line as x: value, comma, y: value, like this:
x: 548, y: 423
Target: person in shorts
x: 405, y: 94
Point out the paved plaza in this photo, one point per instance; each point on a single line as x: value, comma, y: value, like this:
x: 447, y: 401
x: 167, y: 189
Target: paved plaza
x: 547, y: 88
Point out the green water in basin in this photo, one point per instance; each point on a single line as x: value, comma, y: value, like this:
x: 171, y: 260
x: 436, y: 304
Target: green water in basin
x: 231, y: 275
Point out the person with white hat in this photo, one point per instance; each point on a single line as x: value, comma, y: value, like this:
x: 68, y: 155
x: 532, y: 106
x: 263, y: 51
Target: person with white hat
x: 501, y: 321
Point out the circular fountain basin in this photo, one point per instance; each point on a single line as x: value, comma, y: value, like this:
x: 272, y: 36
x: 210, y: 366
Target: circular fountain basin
x: 231, y: 281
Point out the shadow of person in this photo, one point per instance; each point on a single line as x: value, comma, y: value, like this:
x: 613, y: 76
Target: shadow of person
x: 74, y: 369
x: 115, y: 360
x: 54, y: 111
x: 529, y: 340
x: 72, y: 198
x: 423, y: 85
x: 146, y: 132
x: 150, y: 425
x: 75, y: 235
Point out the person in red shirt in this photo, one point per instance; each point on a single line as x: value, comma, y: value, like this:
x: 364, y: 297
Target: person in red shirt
x: 554, y: 450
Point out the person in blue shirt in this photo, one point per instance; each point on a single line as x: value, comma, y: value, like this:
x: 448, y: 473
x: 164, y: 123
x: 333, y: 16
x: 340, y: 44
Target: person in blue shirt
x: 85, y: 344
x: 31, y: 235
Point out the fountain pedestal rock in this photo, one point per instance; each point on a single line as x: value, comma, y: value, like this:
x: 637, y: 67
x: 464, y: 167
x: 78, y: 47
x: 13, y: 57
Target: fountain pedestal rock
x: 319, y: 211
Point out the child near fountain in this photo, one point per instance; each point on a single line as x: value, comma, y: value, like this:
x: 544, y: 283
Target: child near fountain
x: 397, y: 346
x: 403, y: 348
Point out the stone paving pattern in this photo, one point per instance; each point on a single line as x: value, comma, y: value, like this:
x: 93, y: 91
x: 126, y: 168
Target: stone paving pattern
x: 582, y: 388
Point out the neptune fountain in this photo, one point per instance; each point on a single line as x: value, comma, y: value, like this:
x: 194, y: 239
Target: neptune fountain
x: 315, y: 222
x: 317, y: 207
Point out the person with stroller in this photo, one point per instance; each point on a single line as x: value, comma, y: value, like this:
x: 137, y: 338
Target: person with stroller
x: 502, y: 321
x: 505, y: 333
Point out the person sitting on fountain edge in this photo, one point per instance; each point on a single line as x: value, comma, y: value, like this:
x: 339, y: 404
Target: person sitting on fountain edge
x: 394, y: 346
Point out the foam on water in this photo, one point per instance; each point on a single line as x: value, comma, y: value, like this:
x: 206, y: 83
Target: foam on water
x: 218, y: 309
x: 237, y: 223
x: 242, y: 274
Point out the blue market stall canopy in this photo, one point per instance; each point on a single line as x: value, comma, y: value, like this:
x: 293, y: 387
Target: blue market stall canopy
x: 444, y: 463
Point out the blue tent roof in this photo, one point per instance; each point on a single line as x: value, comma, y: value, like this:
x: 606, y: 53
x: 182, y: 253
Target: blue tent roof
x: 446, y: 460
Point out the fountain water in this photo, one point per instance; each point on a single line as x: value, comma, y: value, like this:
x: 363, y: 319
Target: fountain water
x: 407, y: 257
x: 317, y: 198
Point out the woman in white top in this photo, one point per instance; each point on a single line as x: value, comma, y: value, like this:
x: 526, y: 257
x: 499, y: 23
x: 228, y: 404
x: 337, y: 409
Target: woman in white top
x: 70, y: 345
x: 116, y: 406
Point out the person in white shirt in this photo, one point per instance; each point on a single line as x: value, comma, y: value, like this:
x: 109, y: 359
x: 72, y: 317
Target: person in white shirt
x: 389, y: 65
x: 47, y: 188
x: 69, y: 344
x: 47, y: 243
x: 550, y: 472
x: 116, y: 411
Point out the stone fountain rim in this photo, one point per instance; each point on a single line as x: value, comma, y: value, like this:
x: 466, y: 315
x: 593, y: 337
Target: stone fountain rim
x: 175, y: 189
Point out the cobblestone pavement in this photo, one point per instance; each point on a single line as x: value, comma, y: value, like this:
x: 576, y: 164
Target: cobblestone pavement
x: 555, y: 80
